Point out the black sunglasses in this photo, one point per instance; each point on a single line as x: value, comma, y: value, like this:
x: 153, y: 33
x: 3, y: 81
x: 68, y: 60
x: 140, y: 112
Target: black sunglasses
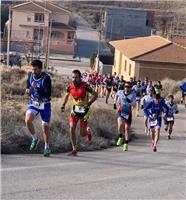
x: 127, y: 86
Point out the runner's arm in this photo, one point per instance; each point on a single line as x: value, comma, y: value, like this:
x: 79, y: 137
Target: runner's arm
x: 176, y: 109
x: 93, y: 93
x: 133, y: 100
x: 66, y: 97
x: 46, y: 92
x: 27, y: 91
x: 146, y: 109
x: 165, y: 108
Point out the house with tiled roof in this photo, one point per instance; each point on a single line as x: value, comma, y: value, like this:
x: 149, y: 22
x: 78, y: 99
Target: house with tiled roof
x: 33, y: 22
x: 152, y: 56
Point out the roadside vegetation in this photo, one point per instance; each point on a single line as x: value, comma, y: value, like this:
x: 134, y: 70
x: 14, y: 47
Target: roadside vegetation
x: 15, y: 137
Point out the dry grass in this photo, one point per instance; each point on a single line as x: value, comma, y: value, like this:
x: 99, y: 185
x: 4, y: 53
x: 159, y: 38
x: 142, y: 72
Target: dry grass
x: 15, y: 136
x: 171, y: 87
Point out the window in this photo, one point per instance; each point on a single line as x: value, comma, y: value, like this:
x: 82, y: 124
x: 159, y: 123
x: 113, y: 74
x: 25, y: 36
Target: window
x: 147, y: 22
x: 125, y: 68
x: 129, y: 69
x: 29, y: 19
x: 27, y: 34
x: 39, y: 17
x: 38, y: 34
x: 70, y: 36
x: 57, y: 34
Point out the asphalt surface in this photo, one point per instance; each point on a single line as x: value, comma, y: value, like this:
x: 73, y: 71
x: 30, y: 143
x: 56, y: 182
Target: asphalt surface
x: 87, y: 45
x: 88, y: 39
x: 108, y: 174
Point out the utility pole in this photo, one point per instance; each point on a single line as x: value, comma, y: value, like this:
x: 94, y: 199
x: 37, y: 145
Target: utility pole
x: 8, y: 38
x: 49, y: 30
x: 100, y: 30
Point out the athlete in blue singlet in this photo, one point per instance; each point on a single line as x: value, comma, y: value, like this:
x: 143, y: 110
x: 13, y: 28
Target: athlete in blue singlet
x: 123, y: 102
x: 144, y: 102
x: 39, y: 90
x: 154, y: 111
x: 169, y: 118
x: 139, y: 92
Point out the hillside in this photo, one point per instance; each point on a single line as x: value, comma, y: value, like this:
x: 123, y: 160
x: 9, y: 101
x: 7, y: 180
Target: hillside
x: 166, y: 12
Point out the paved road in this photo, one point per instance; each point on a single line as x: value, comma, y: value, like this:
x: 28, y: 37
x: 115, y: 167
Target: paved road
x: 66, y: 67
x: 108, y: 174
x: 87, y: 39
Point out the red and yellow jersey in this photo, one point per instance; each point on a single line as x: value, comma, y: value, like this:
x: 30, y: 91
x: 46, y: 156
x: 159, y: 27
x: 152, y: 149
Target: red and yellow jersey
x: 80, y: 94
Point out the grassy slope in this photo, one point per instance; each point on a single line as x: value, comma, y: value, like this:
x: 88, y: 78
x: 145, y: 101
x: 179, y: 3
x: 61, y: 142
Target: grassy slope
x: 15, y: 137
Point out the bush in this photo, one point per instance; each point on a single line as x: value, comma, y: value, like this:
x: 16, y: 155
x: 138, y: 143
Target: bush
x: 171, y: 87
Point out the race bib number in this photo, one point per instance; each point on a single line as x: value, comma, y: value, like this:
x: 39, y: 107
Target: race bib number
x: 38, y: 105
x: 170, y: 119
x: 80, y: 109
x: 184, y: 93
x: 109, y: 87
x: 137, y: 98
x: 153, y: 122
x: 125, y: 115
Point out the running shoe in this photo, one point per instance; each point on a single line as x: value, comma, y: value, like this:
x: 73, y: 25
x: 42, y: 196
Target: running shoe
x: 89, y: 137
x: 169, y: 137
x: 120, y: 141
x: 34, y: 144
x: 89, y: 134
x: 73, y: 153
x: 154, y: 148
x: 146, y: 131
x: 166, y: 128
x: 47, y: 152
x: 152, y: 145
x: 125, y: 147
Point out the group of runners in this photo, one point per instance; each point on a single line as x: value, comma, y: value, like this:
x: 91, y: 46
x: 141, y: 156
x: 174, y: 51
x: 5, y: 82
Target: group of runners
x: 84, y: 89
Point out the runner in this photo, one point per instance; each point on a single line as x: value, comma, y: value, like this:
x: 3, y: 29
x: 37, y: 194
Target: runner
x: 108, y: 83
x: 144, y: 102
x: 154, y: 111
x: 139, y: 92
x: 115, y: 86
x: 39, y: 90
x: 79, y: 91
x: 103, y: 86
x: 158, y: 87
x: 123, y: 102
x: 121, y: 83
x: 169, y: 118
x: 183, y: 89
x: 144, y: 85
x: 149, y: 87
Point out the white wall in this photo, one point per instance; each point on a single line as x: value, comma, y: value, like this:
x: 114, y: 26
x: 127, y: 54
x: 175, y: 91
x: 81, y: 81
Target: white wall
x: 20, y: 18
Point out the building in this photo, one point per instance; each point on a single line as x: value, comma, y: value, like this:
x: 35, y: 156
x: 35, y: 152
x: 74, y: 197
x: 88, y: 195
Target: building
x: 103, y: 64
x: 151, y: 56
x: 126, y: 23
x: 32, y: 24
